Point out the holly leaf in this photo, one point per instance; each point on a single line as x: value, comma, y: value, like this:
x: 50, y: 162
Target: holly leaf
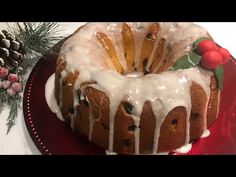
x: 187, y: 61
x: 219, y: 74
x: 195, y: 43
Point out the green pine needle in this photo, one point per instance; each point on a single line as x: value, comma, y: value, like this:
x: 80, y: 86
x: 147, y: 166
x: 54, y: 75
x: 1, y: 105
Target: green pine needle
x: 14, y: 104
x: 37, y: 38
x: 3, y: 99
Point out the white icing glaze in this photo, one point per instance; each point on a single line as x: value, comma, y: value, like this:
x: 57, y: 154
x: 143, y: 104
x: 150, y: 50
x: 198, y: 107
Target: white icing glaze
x: 161, y: 153
x: 91, y: 122
x: 206, y: 133
x: 219, y: 93
x: 63, y: 75
x: 136, y: 133
x: 165, y: 91
x: 134, y: 74
x: 184, y: 149
x: 110, y: 153
x: 50, y: 97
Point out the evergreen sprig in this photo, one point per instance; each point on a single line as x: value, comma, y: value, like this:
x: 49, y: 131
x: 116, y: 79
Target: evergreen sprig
x: 3, y: 99
x: 37, y: 40
x: 14, y: 105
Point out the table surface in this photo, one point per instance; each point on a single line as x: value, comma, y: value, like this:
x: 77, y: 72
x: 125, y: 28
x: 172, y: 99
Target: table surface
x: 18, y: 141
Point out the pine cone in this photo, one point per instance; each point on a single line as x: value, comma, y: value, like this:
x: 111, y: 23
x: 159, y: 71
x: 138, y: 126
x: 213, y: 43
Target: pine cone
x: 11, y: 50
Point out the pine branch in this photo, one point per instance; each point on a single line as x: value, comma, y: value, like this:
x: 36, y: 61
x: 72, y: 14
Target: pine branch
x: 3, y: 99
x: 37, y: 38
x: 14, y: 104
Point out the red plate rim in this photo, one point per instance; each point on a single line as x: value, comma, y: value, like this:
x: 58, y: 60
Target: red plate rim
x: 46, y: 132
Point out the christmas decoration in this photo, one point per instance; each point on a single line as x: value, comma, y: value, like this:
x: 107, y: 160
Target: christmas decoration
x: 205, y: 53
x: 206, y: 45
x: 21, y: 46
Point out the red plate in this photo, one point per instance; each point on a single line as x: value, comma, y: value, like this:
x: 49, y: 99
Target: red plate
x: 52, y: 136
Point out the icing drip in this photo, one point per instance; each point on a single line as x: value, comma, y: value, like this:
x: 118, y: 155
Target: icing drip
x: 113, y: 108
x: 63, y: 75
x: 50, y: 97
x: 72, y: 121
x: 172, y: 94
x: 219, y: 93
x: 136, y: 134
x: 114, y: 99
x: 93, y: 119
x: 134, y: 74
x: 184, y: 149
x: 76, y: 98
x: 206, y: 133
x: 205, y: 114
x: 110, y: 153
x: 91, y: 122
x: 162, y: 153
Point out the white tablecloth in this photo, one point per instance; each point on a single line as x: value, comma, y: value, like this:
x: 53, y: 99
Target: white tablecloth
x: 18, y: 140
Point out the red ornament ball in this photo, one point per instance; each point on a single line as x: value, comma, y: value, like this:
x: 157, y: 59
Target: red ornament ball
x: 211, y: 59
x: 205, y: 46
x: 225, y: 54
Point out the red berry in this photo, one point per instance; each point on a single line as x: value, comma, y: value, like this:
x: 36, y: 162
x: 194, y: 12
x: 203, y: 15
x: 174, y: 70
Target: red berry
x: 6, y: 84
x: 211, y: 59
x: 225, y: 54
x: 3, y: 72
x: 13, y: 78
x: 11, y: 92
x: 16, y: 87
x: 206, y: 45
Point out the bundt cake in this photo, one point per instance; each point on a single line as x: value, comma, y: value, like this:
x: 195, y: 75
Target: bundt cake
x: 137, y: 88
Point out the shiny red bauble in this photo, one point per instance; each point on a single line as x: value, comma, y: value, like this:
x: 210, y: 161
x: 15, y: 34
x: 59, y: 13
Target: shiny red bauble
x: 211, y: 59
x: 205, y: 46
x: 225, y: 54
